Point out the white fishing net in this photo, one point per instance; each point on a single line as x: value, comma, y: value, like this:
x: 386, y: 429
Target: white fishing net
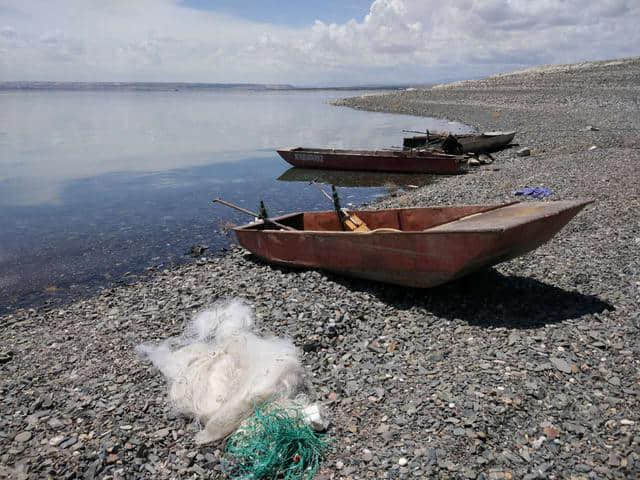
x: 218, y: 369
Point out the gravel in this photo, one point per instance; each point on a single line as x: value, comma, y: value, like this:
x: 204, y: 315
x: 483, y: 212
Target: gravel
x: 528, y: 370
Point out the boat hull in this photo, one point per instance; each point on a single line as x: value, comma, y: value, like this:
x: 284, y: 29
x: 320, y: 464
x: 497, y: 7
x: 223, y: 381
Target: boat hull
x: 375, y: 160
x: 486, y: 236
x: 471, y: 143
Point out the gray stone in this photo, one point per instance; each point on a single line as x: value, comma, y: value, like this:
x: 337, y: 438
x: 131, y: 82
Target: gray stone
x: 69, y: 442
x: 615, y: 381
x: 57, y: 440
x: 561, y: 364
x: 23, y: 437
x: 367, y: 456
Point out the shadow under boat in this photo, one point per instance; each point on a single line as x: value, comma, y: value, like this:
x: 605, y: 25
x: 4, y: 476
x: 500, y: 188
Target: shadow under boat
x: 346, y: 178
x: 486, y: 298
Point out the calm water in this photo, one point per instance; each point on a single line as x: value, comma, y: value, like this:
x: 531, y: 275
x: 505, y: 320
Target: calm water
x: 96, y: 187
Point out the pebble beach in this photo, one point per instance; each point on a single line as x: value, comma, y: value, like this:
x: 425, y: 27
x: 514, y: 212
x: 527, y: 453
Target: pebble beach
x: 529, y: 370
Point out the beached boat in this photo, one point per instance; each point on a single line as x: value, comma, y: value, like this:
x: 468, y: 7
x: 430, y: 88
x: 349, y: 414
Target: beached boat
x: 409, y: 161
x: 471, y: 143
x: 417, y: 247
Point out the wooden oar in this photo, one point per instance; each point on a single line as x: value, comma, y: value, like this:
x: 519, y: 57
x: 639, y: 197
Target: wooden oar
x: 255, y: 215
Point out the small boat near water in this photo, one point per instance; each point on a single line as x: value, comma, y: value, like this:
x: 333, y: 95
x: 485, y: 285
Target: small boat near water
x: 405, y: 161
x: 416, y: 247
x: 470, y: 142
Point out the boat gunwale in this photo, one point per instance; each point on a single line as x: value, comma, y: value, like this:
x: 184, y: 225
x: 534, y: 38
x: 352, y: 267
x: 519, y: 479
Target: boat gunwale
x: 577, y: 203
x: 490, y: 134
x: 374, y: 153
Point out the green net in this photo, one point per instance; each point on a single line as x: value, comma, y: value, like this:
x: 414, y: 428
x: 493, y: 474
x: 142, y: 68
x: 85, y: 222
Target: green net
x: 274, y: 443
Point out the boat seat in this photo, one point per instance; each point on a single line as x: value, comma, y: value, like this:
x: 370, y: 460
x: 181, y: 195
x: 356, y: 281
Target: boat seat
x: 500, y: 219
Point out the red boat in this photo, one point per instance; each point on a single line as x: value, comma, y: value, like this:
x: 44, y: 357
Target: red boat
x: 417, y: 247
x: 408, y: 161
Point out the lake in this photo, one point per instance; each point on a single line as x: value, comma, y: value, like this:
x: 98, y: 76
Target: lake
x: 98, y: 187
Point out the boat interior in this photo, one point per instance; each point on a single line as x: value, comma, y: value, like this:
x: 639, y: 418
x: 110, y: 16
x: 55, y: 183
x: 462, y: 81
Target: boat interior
x: 378, y: 153
x: 465, y: 218
x: 409, y: 219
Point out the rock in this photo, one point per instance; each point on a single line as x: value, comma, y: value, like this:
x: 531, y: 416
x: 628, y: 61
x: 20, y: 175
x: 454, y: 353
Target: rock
x: 524, y: 152
x: 592, y: 147
x: 474, y: 162
x: 550, y: 431
x: 6, y: 356
x: 500, y: 475
x: 367, y: 456
x: 23, y: 437
x: 403, y: 461
x: 537, y: 443
x: 55, y: 441
x: 55, y: 423
x: 525, y: 454
x: 591, y: 128
x: 69, y: 442
x: 561, y: 364
x: 582, y: 468
x: 615, y: 381
x: 197, y: 250
x: 614, y: 460
x: 485, y: 159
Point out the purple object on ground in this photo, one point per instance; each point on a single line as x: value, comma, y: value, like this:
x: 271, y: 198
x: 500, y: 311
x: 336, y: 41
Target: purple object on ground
x: 536, y: 192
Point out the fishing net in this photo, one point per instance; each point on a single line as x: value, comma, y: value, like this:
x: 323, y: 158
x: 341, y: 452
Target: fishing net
x: 218, y: 369
x: 274, y: 443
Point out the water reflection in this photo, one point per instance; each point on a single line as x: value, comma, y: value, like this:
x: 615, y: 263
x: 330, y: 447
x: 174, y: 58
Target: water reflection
x: 345, y: 178
x: 50, y: 138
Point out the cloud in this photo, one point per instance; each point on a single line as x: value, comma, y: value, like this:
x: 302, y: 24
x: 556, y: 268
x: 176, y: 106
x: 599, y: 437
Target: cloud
x: 397, y: 41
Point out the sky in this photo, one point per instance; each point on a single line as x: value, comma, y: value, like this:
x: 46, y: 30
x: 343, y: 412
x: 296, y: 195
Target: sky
x: 305, y: 43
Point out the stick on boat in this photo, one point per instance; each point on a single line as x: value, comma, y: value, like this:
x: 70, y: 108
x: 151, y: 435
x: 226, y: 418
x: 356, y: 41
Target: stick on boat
x: 253, y: 214
x: 349, y: 220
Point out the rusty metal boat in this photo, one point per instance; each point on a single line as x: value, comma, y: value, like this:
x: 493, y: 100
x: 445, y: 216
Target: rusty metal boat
x: 416, y: 247
x: 470, y: 142
x: 410, y: 161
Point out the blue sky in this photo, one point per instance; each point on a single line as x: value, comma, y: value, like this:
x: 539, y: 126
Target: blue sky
x: 278, y: 12
x: 306, y: 43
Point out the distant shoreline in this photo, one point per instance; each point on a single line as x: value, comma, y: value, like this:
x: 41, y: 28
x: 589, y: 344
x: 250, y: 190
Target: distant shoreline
x: 178, y: 86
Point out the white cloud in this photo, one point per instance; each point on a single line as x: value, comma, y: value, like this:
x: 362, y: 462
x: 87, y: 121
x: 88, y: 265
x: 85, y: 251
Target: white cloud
x: 397, y: 41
